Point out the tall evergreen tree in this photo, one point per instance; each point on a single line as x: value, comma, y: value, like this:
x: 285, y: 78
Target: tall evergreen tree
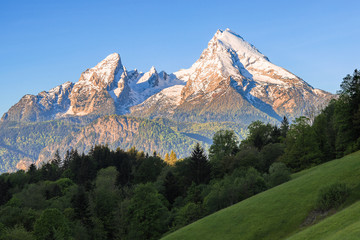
x: 57, y: 159
x: 80, y: 203
x: 199, y: 165
x: 284, y: 128
x: 171, y: 186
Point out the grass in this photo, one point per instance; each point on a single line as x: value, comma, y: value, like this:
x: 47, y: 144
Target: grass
x: 279, y: 212
x: 343, y: 225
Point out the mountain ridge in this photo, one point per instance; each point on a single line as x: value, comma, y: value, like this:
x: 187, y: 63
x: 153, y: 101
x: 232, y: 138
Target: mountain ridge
x: 228, y: 61
x: 232, y: 81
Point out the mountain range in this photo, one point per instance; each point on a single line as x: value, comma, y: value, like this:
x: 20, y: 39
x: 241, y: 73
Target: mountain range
x: 230, y: 85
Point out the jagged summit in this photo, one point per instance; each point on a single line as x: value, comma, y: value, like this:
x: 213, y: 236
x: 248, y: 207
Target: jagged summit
x: 229, y: 64
x: 230, y: 79
x: 233, y: 41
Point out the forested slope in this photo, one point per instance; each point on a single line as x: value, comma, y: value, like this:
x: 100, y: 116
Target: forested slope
x: 281, y: 211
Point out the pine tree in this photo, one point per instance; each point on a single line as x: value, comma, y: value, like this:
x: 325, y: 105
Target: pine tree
x: 66, y: 162
x: 80, y: 203
x: 199, y: 165
x: 57, y: 159
x: 284, y: 128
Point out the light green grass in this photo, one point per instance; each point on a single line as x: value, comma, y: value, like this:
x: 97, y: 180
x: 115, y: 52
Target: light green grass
x: 342, y: 225
x: 279, y: 212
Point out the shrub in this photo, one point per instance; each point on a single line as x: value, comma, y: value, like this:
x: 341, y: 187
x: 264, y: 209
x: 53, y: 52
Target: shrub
x: 332, y: 196
x: 16, y: 233
x: 278, y: 174
x: 188, y: 214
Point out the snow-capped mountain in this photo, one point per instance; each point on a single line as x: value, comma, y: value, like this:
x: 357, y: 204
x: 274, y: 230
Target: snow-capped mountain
x: 42, y: 107
x: 231, y: 81
x: 107, y: 88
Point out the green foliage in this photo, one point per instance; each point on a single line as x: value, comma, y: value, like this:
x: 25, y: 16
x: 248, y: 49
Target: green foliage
x: 16, y: 233
x: 149, y: 169
x: 344, y: 224
x: 325, y: 132
x: 269, y: 154
x: 199, y: 165
x: 233, y: 188
x: 11, y: 216
x: 332, y: 196
x: 279, y: 212
x: 4, y: 190
x: 105, y: 200
x: 32, y: 196
x: 171, y: 187
x: 147, y: 213
x: 284, y: 128
x: 248, y: 157
x: 96, y: 207
x: 81, y: 207
x: 51, y: 225
x: 259, y: 135
x: 64, y: 184
x: 278, y: 174
x: 26, y: 140
x: 225, y: 145
x: 188, y: 214
x: 302, y: 149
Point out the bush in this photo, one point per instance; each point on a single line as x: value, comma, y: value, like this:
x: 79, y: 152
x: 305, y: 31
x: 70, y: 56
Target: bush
x: 188, y: 214
x: 16, y: 233
x: 332, y: 196
x: 278, y: 174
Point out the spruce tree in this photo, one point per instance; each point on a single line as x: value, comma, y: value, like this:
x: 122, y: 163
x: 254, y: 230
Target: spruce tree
x: 199, y: 165
x: 284, y: 128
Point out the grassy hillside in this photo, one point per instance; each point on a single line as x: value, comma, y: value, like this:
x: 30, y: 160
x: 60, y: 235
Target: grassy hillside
x: 343, y: 225
x: 279, y: 212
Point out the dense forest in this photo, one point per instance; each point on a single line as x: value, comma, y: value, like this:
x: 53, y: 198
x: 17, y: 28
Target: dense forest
x: 119, y: 194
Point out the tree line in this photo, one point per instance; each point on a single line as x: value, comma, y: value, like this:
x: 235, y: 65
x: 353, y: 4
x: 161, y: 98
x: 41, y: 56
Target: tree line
x: 119, y: 194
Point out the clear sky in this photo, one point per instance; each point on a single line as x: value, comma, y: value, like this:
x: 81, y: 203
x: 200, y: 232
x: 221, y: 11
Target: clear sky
x: 46, y: 43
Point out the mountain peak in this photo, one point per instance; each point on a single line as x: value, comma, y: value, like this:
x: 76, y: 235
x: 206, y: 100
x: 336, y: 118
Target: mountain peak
x: 111, y: 60
x: 153, y: 70
x: 114, y: 56
x: 234, y: 42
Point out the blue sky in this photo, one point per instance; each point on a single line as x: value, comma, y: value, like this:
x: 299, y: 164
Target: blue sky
x: 46, y: 43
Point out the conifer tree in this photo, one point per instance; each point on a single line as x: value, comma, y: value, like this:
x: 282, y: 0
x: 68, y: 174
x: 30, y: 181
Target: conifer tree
x: 57, y: 159
x: 199, y: 165
x: 284, y: 128
x: 173, y: 158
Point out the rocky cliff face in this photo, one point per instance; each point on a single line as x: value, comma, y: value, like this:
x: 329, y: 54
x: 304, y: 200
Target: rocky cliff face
x: 90, y: 95
x: 123, y: 132
x: 231, y: 81
x: 44, y: 106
